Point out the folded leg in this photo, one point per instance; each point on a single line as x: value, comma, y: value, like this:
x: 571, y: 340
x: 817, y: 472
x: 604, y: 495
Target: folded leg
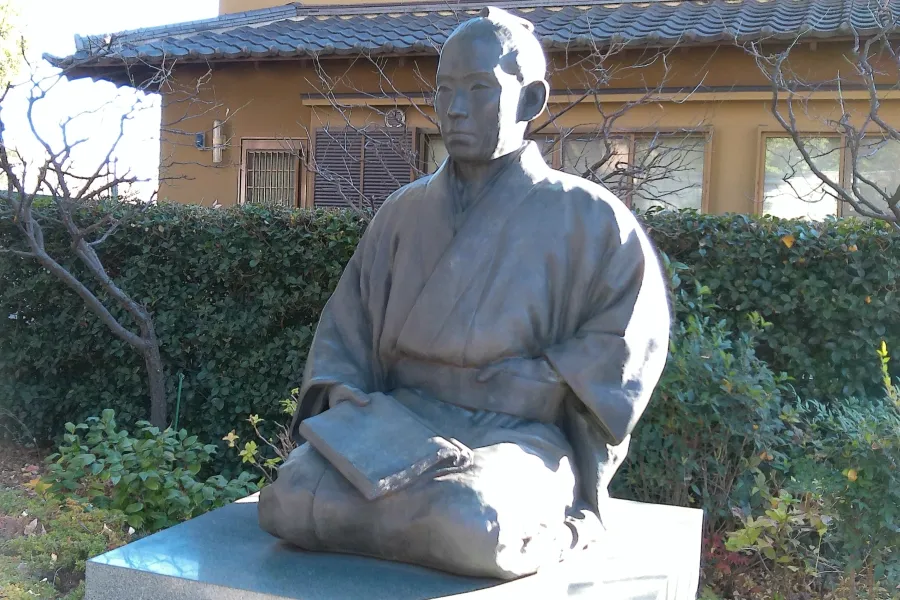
x: 503, y: 518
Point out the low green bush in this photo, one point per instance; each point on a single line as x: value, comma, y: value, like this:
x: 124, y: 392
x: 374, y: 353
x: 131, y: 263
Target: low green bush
x: 828, y: 288
x: 236, y: 295
x: 151, y: 477
x: 831, y: 508
x: 713, y: 417
x: 848, y: 453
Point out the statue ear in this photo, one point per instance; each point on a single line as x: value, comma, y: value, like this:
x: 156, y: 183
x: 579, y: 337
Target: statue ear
x: 533, y: 100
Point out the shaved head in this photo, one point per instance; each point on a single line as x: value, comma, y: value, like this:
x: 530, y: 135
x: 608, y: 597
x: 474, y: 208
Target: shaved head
x: 521, y: 52
x: 490, y: 86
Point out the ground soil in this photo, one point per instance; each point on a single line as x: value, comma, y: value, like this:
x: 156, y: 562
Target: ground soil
x: 19, y: 464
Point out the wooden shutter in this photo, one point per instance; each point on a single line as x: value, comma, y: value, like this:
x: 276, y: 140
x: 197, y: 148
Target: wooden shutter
x: 338, y: 167
x: 361, y: 168
x: 389, y: 158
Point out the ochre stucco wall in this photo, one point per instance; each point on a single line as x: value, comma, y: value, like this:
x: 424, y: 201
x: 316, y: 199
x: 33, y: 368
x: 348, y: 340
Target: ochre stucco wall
x: 282, y: 99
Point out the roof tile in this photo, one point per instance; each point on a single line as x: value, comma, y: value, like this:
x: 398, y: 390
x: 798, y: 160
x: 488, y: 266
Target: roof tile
x: 296, y: 30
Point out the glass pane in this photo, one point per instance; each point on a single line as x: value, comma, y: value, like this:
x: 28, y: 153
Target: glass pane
x: 546, y: 144
x: 791, y: 189
x: 668, y: 171
x: 598, y: 159
x: 435, y: 153
x: 877, y: 162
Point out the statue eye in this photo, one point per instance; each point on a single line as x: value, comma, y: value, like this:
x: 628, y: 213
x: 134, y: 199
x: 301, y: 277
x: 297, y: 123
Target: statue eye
x: 479, y: 86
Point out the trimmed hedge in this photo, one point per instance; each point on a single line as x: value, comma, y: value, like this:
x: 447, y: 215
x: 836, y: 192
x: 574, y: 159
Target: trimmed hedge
x: 236, y: 294
x: 829, y: 289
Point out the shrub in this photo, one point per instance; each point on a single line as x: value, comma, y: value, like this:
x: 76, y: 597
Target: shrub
x: 829, y: 289
x: 236, y: 295
x: 832, y: 505
x: 849, y: 453
x: 712, y: 418
x: 151, y: 477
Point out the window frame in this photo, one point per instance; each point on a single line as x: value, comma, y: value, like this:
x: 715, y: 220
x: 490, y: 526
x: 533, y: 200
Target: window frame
x: 422, y: 135
x: 632, y: 134
x: 556, y: 156
x: 766, y: 133
x: 249, y: 144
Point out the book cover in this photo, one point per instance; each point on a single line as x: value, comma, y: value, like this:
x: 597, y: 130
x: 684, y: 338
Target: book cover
x: 382, y: 447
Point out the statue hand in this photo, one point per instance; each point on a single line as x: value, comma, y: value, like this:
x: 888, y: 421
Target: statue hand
x: 344, y: 393
x: 536, y: 369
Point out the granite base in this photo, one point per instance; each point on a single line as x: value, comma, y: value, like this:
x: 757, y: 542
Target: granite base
x: 653, y: 554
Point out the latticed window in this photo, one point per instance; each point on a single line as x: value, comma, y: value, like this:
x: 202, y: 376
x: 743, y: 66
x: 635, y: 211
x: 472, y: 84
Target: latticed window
x: 271, y: 172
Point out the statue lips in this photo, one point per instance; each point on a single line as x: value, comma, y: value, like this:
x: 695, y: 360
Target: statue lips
x: 459, y: 135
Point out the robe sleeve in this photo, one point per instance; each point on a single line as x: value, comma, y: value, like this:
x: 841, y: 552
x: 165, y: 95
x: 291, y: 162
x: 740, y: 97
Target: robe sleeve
x: 616, y: 357
x: 341, y: 359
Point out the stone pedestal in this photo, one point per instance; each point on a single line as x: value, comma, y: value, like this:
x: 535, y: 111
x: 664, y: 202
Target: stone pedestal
x: 653, y: 554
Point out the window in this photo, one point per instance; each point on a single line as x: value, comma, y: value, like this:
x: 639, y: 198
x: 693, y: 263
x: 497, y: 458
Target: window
x: 360, y: 167
x: 643, y: 169
x: 790, y: 188
x: 669, y: 172
x: 602, y: 160
x: 434, y: 152
x: 270, y: 172
x: 877, y: 172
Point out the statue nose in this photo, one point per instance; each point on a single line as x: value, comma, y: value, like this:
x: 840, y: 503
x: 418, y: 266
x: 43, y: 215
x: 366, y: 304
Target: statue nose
x: 458, y: 108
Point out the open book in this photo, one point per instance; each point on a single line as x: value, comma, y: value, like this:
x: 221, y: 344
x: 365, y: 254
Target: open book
x: 382, y: 447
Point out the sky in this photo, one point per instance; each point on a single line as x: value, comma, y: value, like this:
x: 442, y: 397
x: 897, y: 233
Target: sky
x: 50, y: 26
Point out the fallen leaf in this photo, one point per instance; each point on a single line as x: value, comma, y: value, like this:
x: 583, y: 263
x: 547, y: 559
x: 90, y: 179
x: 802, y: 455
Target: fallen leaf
x: 852, y: 475
x: 53, y: 557
x: 31, y: 528
x: 788, y: 240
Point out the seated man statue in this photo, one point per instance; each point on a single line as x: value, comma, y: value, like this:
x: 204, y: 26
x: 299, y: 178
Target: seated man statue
x: 518, y: 313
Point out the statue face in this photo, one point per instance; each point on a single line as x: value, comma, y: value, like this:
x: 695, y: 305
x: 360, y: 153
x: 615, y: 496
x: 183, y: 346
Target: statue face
x: 477, y: 102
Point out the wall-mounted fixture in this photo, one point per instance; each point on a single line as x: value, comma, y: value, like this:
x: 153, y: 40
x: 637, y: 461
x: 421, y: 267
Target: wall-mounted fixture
x: 200, y: 140
x: 218, y: 142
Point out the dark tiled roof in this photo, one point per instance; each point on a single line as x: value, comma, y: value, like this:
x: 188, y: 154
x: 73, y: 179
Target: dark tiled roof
x: 295, y: 30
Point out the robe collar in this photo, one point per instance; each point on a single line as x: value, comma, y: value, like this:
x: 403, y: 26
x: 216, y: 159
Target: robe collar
x: 454, y: 263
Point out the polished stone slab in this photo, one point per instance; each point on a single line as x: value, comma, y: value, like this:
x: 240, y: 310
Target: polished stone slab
x: 223, y: 555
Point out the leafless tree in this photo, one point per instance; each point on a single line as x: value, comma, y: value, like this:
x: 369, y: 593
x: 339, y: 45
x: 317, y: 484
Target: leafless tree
x: 660, y: 171
x: 51, y: 187
x: 851, y: 159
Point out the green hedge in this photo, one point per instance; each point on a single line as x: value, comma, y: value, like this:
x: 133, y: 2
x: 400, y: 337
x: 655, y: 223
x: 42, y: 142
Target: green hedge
x: 829, y: 289
x: 236, y: 294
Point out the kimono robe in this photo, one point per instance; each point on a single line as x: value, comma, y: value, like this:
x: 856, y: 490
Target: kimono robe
x: 534, y: 334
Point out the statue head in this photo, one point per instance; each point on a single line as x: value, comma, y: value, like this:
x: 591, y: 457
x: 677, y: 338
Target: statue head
x: 490, y: 85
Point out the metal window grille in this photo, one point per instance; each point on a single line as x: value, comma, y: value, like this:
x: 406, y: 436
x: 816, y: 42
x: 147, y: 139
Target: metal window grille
x: 271, y: 177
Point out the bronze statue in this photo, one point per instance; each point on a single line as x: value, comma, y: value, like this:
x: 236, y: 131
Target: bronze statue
x: 475, y: 377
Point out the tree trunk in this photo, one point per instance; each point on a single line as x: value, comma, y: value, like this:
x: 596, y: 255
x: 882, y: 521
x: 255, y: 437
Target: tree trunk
x: 155, y: 376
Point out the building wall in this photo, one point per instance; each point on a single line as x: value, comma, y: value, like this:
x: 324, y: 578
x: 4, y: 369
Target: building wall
x: 282, y: 100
